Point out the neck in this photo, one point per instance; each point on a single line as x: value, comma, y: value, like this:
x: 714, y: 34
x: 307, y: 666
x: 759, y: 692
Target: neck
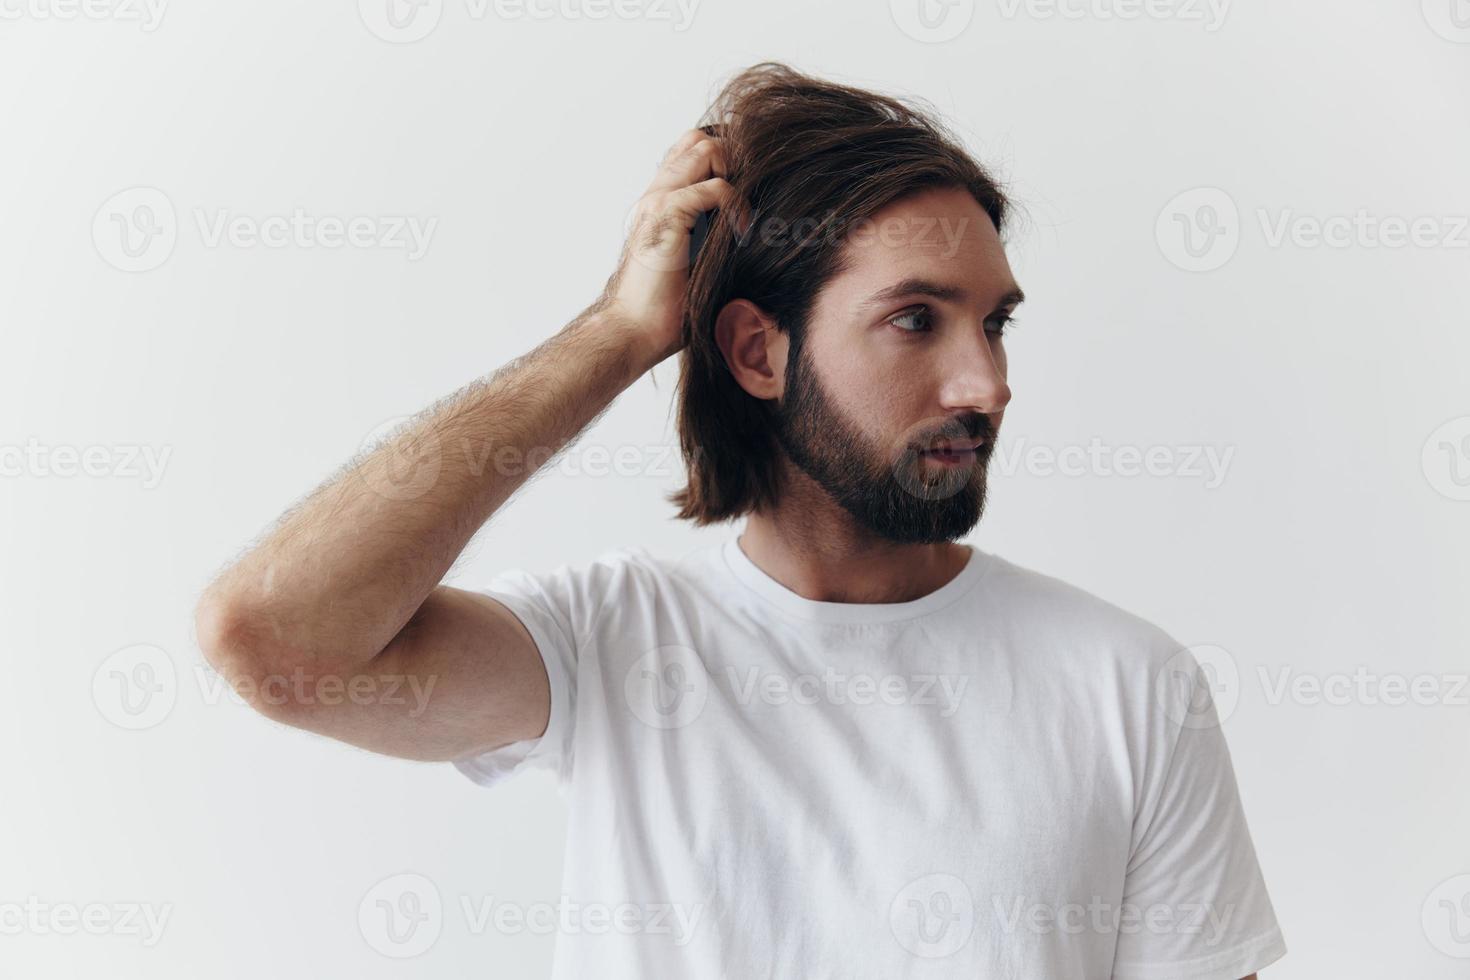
x: 813, y: 547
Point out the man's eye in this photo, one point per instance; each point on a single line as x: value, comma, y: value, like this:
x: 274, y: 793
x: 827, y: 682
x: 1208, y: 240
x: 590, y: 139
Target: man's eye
x: 923, y: 313
x: 921, y: 320
x: 999, y: 324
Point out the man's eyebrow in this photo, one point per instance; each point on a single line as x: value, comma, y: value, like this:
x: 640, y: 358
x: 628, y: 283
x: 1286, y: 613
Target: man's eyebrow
x: 928, y: 287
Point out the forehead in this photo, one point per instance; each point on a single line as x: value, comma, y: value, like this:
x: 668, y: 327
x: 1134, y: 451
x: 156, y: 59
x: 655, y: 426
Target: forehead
x: 938, y: 234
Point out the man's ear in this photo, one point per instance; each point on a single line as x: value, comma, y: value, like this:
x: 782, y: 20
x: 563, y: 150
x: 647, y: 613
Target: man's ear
x: 754, y: 348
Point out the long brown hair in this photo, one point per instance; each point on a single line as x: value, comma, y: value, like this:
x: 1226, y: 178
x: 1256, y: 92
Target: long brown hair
x: 810, y: 158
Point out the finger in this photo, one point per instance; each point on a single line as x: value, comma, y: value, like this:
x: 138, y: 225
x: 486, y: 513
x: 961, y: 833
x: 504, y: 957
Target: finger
x: 686, y: 139
x: 701, y: 196
x: 700, y: 160
x: 720, y: 193
x: 662, y: 238
x: 675, y: 211
x: 685, y: 205
x: 703, y: 159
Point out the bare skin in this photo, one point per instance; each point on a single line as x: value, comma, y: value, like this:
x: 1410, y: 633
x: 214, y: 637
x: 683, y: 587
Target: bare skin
x: 345, y: 589
x: 890, y: 383
x: 808, y: 542
x: 342, y: 598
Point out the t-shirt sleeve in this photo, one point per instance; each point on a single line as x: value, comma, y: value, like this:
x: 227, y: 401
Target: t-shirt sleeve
x: 547, y: 605
x: 1195, y: 905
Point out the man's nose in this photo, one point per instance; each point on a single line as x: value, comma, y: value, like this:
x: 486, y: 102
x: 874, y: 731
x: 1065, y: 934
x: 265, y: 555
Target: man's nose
x: 974, y: 379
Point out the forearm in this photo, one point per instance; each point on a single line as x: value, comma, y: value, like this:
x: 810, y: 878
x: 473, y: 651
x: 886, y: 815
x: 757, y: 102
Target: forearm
x: 342, y: 573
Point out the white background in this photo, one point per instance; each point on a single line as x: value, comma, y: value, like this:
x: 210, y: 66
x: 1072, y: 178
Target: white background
x: 1336, y: 542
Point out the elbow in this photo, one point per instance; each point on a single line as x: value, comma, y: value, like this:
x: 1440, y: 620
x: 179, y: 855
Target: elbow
x: 230, y: 634
x: 240, y: 642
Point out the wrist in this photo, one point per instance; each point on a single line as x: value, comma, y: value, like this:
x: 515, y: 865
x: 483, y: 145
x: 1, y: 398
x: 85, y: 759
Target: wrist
x: 641, y: 348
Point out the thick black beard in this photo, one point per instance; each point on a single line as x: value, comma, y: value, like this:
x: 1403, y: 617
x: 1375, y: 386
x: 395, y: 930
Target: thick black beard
x: 894, y: 500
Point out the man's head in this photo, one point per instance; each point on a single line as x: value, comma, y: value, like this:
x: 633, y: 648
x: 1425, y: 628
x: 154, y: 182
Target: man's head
x: 855, y: 326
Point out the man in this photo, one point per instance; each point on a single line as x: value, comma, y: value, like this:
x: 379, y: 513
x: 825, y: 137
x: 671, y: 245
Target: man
x: 841, y: 743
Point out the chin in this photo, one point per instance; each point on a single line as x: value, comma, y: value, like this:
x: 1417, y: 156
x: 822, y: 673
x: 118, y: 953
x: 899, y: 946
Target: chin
x: 907, y: 520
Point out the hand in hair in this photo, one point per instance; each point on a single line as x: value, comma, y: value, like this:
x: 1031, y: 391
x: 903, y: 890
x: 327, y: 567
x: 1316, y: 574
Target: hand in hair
x: 648, y: 289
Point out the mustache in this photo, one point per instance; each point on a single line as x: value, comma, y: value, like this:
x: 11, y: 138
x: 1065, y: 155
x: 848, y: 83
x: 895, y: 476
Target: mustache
x: 972, y: 425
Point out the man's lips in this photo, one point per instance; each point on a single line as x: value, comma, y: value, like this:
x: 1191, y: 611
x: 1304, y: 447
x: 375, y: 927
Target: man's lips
x: 962, y: 451
x: 957, y: 446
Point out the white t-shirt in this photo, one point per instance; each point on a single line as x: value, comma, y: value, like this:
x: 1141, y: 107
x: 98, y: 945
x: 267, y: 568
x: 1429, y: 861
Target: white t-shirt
x: 1005, y: 778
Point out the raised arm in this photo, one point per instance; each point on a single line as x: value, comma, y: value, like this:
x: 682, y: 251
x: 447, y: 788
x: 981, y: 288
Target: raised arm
x: 343, y: 595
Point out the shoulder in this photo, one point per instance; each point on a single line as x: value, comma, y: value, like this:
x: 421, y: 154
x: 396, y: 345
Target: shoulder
x: 1075, y: 618
x: 630, y: 576
x: 604, y: 572
x: 1108, y: 655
